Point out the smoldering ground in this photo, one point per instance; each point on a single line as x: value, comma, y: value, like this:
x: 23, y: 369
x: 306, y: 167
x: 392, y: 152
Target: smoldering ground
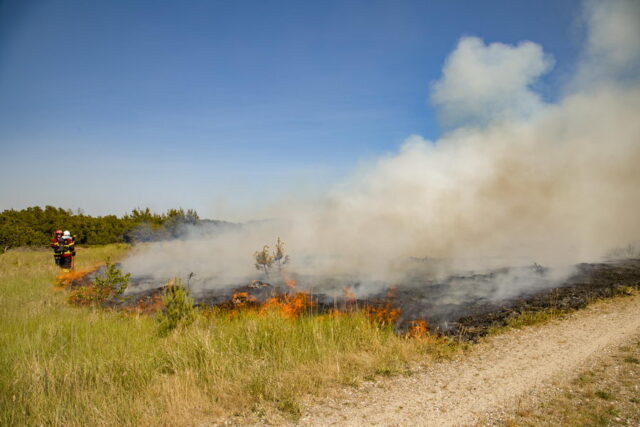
x: 514, y: 180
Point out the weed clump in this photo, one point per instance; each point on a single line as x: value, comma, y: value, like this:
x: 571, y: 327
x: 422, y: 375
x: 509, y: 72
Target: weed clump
x: 605, y: 395
x: 178, y: 307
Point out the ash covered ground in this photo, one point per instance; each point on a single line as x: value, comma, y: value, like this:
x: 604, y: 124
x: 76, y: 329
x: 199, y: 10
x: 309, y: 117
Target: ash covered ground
x: 465, y: 305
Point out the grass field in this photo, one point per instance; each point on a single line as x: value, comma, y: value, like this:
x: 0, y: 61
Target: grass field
x: 66, y: 365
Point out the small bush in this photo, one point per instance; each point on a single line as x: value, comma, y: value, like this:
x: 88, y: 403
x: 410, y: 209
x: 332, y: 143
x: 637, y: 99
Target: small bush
x: 112, y: 279
x: 264, y: 260
x: 178, y: 307
x: 110, y: 283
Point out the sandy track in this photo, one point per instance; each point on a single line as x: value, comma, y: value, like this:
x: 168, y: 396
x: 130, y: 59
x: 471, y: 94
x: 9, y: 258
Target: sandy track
x: 493, y: 378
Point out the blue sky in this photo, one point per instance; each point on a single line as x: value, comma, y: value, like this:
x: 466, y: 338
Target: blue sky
x: 224, y: 106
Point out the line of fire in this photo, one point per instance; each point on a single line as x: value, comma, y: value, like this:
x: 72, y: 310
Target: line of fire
x: 463, y: 306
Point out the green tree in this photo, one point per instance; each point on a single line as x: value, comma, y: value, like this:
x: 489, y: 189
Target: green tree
x: 35, y: 226
x: 264, y: 260
x: 178, y: 307
x: 279, y: 257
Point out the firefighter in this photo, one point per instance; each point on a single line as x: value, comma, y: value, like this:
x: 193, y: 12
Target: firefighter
x: 67, y: 251
x: 55, y: 245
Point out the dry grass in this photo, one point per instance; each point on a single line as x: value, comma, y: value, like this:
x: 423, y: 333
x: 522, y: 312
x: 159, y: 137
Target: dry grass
x: 64, y: 365
x: 608, y: 394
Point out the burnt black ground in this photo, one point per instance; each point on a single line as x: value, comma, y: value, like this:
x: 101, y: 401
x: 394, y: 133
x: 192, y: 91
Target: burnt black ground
x: 465, y: 306
x: 590, y: 282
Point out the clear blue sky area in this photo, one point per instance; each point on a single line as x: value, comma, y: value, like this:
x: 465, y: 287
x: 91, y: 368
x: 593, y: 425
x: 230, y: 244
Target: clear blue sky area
x: 110, y: 105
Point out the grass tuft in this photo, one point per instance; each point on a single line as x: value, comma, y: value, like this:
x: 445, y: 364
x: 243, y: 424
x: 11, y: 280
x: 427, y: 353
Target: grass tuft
x: 604, y: 395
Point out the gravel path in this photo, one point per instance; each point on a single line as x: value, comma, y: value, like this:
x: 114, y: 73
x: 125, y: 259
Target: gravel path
x: 499, y: 372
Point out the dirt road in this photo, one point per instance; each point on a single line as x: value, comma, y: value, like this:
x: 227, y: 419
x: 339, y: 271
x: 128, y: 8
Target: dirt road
x: 499, y: 372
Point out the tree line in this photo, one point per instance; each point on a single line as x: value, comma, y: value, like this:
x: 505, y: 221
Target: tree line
x: 34, y: 226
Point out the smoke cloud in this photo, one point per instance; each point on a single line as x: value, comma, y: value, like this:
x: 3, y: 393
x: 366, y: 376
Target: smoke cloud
x: 486, y: 83
x: 514, y: 181
x: 612, y: 45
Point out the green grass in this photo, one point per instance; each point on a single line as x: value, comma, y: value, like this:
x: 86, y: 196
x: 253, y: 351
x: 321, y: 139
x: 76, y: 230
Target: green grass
x: 65, y: 365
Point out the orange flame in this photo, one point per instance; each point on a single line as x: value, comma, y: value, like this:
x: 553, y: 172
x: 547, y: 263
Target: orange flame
x: 241, y: 299
x: 65, y: 279
x: 349, y: 296
x: 287, y: 280
x: 383, y: 315
x: 418, y: 329
x: 290, y: 305
x: 147, y: 305
x: 291, y: 283
x: 295, y: 304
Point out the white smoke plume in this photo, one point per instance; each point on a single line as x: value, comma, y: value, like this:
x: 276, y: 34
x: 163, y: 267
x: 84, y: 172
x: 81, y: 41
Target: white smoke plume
x: 516, y: 181
x: 612, y: 45
x: 482, y: 84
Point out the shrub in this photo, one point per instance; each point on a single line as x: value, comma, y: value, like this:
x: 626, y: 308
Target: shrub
x: 178, y: 307
x: 264, y: 260
x: 112, y: 280
x: 279, y: 256
x: 110, y: 283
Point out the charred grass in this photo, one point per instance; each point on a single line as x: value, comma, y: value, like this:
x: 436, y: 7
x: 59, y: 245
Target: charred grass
x: 65, y: 365
x: 527, y: 318
x: 549, y: 314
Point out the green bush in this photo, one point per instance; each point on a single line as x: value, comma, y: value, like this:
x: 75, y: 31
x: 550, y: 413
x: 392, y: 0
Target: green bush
x: 111, y: 283
x: 178, y: 307
x: 112, y: 280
